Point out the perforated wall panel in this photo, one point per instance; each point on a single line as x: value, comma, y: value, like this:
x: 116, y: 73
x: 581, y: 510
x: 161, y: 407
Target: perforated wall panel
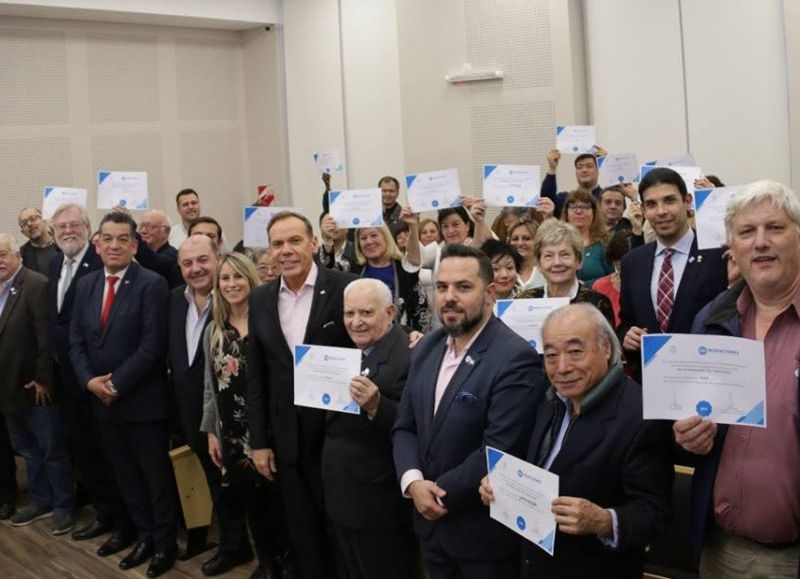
x: 33, y: 78
x: 206, y: 70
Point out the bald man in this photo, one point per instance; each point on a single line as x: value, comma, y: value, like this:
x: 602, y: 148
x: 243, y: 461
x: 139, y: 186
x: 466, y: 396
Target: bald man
x: 154, y: 228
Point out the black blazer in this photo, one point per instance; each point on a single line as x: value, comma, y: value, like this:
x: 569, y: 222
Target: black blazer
x: 613, y: 458
x: 274, y: 421
x: 132, y: 347
x: 59, y: 321
x: 358, y: 480
x: 490, y: 400
x: 187, y: 379
x: 24, y: 341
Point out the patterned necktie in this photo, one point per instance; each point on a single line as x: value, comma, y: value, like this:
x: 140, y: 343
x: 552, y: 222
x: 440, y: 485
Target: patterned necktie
x: 112, y: 279
x: 66, y: 281
x: 665, y: 296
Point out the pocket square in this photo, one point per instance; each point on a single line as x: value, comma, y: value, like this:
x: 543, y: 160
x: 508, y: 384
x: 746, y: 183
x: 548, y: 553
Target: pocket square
x: 465, y: 396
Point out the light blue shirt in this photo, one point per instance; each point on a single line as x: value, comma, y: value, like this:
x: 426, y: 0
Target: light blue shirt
x: 680, y: 258
x: 6, y: 289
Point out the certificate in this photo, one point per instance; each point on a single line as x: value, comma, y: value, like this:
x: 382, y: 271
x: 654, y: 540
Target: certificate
x: 717, y: 377
x: 433, y: 190
x: 511, y: 185
x: 575, y: 139
x: 353, y: 208
x: 617, y: 168
x: 55, y: 196
x: 328, y: 161
x: 256, y: 220
x: 710, y: 208
x: 526, y: 316
x: 124, y: 188
x: 523, y: 495
x: 322, y: 376
x: 685, y: 160
x: 688, y: 174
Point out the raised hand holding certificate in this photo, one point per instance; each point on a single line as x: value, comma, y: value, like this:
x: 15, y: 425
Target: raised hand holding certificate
x: 718, y: 377
x: 575, y: 139
x: 328, y: 161
x: 618, y: 168
x: 710, y: 208
x: 526, y: 316
x: 433, y: 190
x: 124, y: 188
x: 256, y: 220
x: 55, y: 196
x: 353, y: 208
x: 322, y: 377
x: 523, y: 494
x: 511, y: 185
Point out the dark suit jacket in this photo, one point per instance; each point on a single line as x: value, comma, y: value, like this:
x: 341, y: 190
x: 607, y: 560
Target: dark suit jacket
x: 358, y: 480
x: 705, y: 276
x: 490, y: 400
x: 613, y: 458
x: 187, y: 379
x: 24, y: 341
x: 132, y: 347
x: 274, y: 421
x: 59, y: 321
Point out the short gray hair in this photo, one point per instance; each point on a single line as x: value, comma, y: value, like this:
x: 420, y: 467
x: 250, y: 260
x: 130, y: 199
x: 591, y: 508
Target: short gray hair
x: 779, y: 195
x: 553, y: 232
x: 382, y: 291
x: 81, y: 210
x: 13, y: 244
x: 605, y: 332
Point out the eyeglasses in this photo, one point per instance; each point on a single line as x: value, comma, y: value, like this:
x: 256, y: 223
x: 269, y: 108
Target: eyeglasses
x: 144, y: 226
x: 29, y: 221
x: 580, y: 207
x: 61, y: 227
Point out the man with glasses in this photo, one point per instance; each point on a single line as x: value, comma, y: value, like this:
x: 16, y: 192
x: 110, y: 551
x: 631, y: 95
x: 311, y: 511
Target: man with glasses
x: 39, y: 249
x: 154, y: 228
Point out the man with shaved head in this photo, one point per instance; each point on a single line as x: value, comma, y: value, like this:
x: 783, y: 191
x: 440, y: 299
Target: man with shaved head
x: 40, y: 248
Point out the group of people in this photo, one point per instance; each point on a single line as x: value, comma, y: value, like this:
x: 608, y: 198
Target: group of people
x: 100, y: 354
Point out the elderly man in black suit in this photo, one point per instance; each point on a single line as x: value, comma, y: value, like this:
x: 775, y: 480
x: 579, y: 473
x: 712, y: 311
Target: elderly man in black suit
x: 118, y: 342
x: 26, y: 383
x: 615, y: 473
x: 303, y: 306
x: 372, y: 522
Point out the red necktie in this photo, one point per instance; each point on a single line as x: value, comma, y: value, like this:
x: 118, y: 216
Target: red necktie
x: 112, y: 279
x: 664, y: 298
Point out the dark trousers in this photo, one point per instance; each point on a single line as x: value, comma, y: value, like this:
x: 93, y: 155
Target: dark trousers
x: 378, y: 554
x: 440, y: 565
x: 8, y: 467
x: 139, y: 454
x: 266, y: 519
x: 92, y: 461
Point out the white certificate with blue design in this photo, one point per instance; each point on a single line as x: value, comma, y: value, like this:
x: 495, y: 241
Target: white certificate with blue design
x: 329, y: 161
x: 322, y: 376
x: 710, y: 208
x: 684, y: 160
x: 55, y: 196
x: 617, y: 169
x: 526, y: 316
x: 717, y: 377
x: 256, y: 220
x: 433, y: 190
x: 511, y: 185
x: 575, y: 139
x: 523, y: 494
x: 124, y: 188
x: 354, y: 208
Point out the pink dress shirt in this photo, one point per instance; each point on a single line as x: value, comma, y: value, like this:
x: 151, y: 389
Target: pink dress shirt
x: 294, y: 308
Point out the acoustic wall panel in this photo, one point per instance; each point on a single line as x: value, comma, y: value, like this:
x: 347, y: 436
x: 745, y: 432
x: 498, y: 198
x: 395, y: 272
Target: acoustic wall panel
x: 206, y: 71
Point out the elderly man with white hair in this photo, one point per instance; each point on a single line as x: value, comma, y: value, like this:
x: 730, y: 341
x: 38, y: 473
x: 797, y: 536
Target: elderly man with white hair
x: 614, y: 468
x: 371, y: 520
x: 154, y: 227
x: 746, y: 487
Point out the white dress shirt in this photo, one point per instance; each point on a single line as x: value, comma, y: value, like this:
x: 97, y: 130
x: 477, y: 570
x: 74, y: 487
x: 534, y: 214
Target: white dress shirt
x: 295, y: 308
x: 195, y: 322
x: 680, y: 257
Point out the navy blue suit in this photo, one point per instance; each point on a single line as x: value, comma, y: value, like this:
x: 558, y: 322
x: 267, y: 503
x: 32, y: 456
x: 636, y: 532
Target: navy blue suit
x: 491, y: 400
x: 131, y: 347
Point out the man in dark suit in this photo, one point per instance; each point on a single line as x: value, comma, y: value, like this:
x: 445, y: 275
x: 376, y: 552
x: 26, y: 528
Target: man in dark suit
x: 118, y: 339
x: 472, y: 383
x: 303, y: 306
x: 26, y: 382
x: 190, y: 309
x: 71, y: 226
x: 371, y: 520
x: 615, y: 474
x: 666, y: 282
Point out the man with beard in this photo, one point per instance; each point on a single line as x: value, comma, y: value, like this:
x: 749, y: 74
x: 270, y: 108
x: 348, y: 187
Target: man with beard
x: 40, y: 247
x: 473, y: 383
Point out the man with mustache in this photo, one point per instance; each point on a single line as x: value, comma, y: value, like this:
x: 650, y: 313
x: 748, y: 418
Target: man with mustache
x: 473, y: 382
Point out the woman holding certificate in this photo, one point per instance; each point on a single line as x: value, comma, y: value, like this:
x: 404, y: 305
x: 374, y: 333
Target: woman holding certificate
x: 582, y: 212
x: 377, y: 252
x: 225, y: 410
x: 558, y: 249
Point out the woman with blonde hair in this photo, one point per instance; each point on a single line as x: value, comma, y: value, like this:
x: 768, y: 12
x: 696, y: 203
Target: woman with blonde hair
x: 582, y: 211
x: 520, y: 237
x: 225, y: 412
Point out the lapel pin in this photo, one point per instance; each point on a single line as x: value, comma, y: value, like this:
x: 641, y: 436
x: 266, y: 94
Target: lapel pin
x: 469, y: 360
x: 85, y: 265
x: 699, y: 259
x: 365, y: 372
x: 322, y: 292
x: 13, y: 291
